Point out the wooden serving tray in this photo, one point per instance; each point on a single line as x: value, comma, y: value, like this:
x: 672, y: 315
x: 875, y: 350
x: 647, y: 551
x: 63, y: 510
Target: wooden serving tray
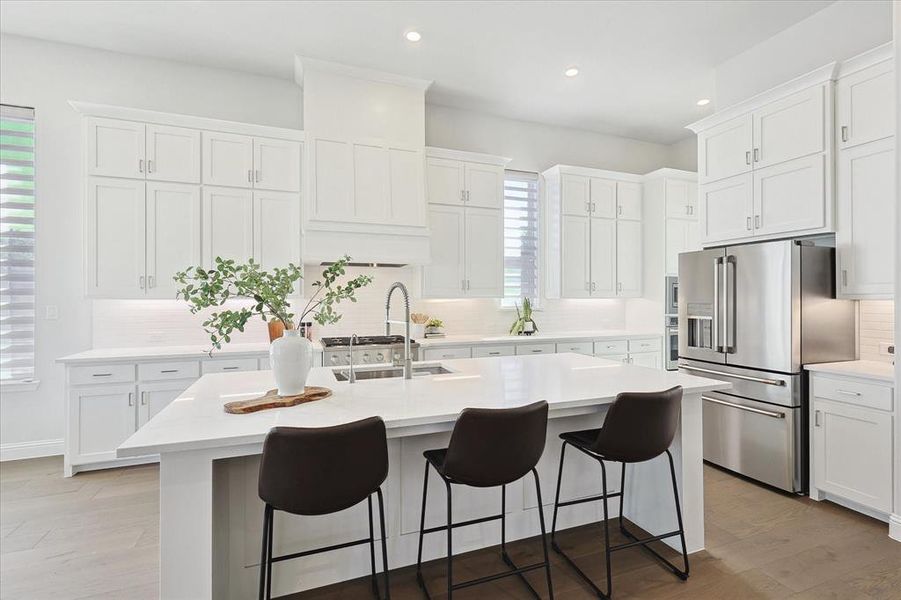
x: 271, y: 399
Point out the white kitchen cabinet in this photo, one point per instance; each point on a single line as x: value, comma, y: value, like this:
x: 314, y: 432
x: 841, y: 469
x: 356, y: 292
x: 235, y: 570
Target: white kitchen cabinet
x: 670, y: 224
x: 173, y: 229
x: 446, y: 181
x: 484, y: 185
x: 539, y: 348
x: 155, y: 396
x: 628, y: 200
x: 173, y: 154
x: 864, y: 105
x: 100, y: 419
x: 681, y: 236
x: 405, y: 185
x: 484, y: 253
x: 276, y: 229
x: 370, y: 182
x: 790, y: 128
x: 489, y: 351
x: 628, y: 259
x: 725, y: 149
x: 604, y: 258
x: 228, y: 365
x: 276, y: 165
x: 114, y: 224
x: 445, y: 353
x: 852, y: 453
x: 681, y: 199
x: 575, y: 192
x: 603, y: 197
x: 790, y: 197
x: 576, y: 251
x: 865, y: 232
x: 585, y: 348
x: 727, y: 208
x: 623, y: 358
x: 227, y: 159
x: 227, y: 224
x: 445, y: 276
x: 650, y: 360
x: 114, y: 148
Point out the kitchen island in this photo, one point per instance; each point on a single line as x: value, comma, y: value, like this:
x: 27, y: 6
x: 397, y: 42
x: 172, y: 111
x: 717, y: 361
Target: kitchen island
x: 211, y: 517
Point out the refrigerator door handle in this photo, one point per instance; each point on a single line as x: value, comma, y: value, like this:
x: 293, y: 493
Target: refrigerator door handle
x: 717, y: 263
x: 758, y: 411
x: 777, y: 382
x: 730, y: 305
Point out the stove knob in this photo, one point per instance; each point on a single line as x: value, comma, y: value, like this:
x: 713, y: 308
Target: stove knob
x: 347, y: 359
x: 334, y: 359
x: 366, y: 358
x: 380, y: 357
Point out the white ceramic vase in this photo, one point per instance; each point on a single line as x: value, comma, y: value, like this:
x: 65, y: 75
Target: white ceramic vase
x: 291, y: 357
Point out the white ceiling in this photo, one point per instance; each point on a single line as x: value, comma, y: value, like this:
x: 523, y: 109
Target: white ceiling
x: 643, y: 64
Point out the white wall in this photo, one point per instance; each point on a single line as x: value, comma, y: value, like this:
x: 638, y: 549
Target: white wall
x: 838, y: 32
x: 45, y: 76
x: 684, y: 154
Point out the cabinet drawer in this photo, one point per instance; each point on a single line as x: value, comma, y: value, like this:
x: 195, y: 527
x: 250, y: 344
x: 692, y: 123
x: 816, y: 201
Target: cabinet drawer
x: 102, y: 374
x: 228, y: 365
x: 447, y: 353
x: 646, y: 345
x: 611, y: 347
x: 483, y: 351
x: 853, y: 392
x: 159, y: 371
x: 576, y: 347
x: 524, y: 349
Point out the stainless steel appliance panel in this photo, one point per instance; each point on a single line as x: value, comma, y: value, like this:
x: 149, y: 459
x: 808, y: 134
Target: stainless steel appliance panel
x: 827, y: 325
x: 762, y: 309
x: 672, y: 344
x: 759, y: 440
x: 701, y: 305
x: 672, y: 296
x: 775, y: 388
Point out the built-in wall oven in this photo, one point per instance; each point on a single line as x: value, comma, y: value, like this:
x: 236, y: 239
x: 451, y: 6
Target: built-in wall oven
x: 672, y: 296
x: 672, y: 343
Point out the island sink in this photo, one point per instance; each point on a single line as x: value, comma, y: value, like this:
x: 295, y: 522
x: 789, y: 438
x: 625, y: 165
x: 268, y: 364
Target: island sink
x: 390, y: 372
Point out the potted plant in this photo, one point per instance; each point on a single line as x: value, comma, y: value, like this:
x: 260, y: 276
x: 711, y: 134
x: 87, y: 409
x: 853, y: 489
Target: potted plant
x: 524, y: 323
x: 433, y: 327
x: 291, y: 353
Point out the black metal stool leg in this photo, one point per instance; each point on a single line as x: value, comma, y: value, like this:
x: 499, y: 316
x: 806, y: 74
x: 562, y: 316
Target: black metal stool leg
x: 622, y: 498
x: 375, y: 585
x: 425, y: 490
x: 606, y: 527
x: 547, y: 560
x: 672, y: 468
x: 384, y: 545
x: 450, y: 544
x: 557, y: 496
x: 264, y: 555
x: 504, y: 523
x: 269, y: 554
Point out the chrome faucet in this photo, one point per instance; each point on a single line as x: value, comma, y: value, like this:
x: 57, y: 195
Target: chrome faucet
x: 352, y: 377
x: 408, y: 360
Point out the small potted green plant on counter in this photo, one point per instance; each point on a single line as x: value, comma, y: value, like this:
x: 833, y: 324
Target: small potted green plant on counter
x: 524, y: 323
x: 433, y: 328
x: 291, y: 353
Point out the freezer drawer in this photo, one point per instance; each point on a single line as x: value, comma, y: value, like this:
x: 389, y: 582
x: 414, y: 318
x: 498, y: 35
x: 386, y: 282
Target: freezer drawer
x: 761, y: 441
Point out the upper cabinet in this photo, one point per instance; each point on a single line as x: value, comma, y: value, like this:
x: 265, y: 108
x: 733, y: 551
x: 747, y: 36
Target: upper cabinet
x: 765, y: 165
x: 235, y: 160
x: 865, y: 177
x: 466, y: 220
x: 593, y: 233
x: 670, y: 221
x: 120, y: 148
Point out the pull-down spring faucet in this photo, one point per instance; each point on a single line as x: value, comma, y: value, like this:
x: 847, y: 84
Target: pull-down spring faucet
x: 408, y: 360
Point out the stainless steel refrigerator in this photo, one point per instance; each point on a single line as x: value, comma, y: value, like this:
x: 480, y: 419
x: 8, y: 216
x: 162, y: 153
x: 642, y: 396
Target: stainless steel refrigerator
x: 753, y: 315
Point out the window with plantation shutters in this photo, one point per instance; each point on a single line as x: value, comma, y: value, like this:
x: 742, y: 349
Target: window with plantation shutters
x: 17, y: 308
x: 521, y: 213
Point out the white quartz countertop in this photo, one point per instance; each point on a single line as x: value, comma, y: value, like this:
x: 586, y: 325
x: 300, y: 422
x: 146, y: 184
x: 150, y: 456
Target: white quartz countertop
x: 863, y: 369
x: 196, y: 419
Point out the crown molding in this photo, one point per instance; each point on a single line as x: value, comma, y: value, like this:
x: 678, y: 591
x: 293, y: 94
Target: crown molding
x: 590, y: 172
x: 865, y: 60
x: 462, y: 155
x: 672, y: 174
x: 303, y: 64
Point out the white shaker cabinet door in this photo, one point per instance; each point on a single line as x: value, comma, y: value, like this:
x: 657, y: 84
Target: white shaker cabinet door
x: 227, y: 224
x: 173, y: 234
x: 681, y: 199
x: 852, y: 450
x: 681, y: 236
x: 725, y: 150
x: 650, y: 360
x: 484, y: 253
x: 114, y: 148
x: 407, y: 206
x: 100, y: 419
x: 173, y: 154
x: 276, y: 165
x: 154, y: 397
x: 332, y: 180
x: 790, y: 128
x: 603, y: 258
x: 790, y: 197
x: 628, y: 200
x: 484, y: 185
x: 865, y: 232
x: 575, y: 191
x: 726, y: 209
x: 603, y: 198
x: 371, y: 193
x: 115, y: 238
x: 443, y: 277
x: 445, y: 181
x: 865, y: 105
x: 575, y: 257
x: 227, y: 159
x: 628, y: 258
x: 276, y: 229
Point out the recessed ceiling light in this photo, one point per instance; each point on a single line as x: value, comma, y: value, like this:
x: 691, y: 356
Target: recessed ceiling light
x: 571, y: 71
x: 703, y: 101
x: 413, y: 36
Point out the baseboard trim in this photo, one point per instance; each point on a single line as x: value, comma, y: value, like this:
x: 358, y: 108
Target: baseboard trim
x: 894, y: 527
x: 36, y: 449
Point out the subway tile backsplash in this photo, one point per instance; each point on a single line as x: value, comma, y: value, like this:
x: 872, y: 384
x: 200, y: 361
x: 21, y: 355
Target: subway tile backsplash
x: 876, y: 326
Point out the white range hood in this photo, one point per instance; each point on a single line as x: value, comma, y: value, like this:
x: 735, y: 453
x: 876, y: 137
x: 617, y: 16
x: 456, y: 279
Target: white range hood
x: 364, y: 193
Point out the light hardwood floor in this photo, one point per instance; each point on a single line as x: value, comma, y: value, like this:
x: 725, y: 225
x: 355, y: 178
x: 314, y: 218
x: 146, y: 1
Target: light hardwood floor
x: 96, y: 536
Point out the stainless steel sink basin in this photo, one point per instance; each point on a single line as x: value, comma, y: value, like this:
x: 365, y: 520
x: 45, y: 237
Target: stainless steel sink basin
x: 390, y: 372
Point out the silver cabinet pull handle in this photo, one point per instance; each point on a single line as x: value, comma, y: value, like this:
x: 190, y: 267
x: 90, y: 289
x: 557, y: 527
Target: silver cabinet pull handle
x: 619, y: 209
x: 588, y: 207
x: 749, y: 224
x: 141, y: 281
x: 462, y: 195
x: 102, y: 375
x: 592, y: 207
x: 757, y: 221
x: 143, y: 399
x: 257, y: 177
x: 150, y: 166
x: 816, y: 418
x: 536, y: 351
x: 844, y: 133
x: 131, y: 399
x: 844, y: 277
x: 249, y: 175
x: 467, y: 195
x: 169, y: 371
x: 756, y: 154
x: 847, y: 393
x: 229, y: 368
x: 150, y: 281
x: 766, y: 413
x: 493, y: 353
x: 140, y: 165
x: 777, y: 382
x: 748, y: 157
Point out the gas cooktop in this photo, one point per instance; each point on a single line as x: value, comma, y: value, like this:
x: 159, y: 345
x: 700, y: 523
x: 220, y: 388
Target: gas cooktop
x: 367, y: 340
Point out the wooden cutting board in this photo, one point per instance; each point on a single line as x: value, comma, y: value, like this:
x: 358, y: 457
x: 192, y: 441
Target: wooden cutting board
x: 271, y: 399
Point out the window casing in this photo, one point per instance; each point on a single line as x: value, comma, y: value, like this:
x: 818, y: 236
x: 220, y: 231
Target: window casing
x: 521, y: 238
x: 17, y: 244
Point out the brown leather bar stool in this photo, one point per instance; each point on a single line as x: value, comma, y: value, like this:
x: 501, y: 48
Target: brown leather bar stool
x: 638, y: 427
x: 488, y: 448
x: 319, y: 471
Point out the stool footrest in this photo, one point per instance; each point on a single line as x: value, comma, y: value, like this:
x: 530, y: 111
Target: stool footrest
x: 680, y: 573
x: 463, y: 524
x: 518, y: 571
x: 320, y: 550
x: 590, y: 499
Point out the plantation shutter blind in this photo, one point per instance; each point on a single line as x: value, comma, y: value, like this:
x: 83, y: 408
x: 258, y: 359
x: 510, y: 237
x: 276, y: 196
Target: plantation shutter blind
x: 521, y: 211
x: 17, y: 307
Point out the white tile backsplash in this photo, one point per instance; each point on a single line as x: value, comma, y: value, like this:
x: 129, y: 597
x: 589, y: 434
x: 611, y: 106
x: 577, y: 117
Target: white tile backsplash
x: 876, y: 326
x: 127, y: 323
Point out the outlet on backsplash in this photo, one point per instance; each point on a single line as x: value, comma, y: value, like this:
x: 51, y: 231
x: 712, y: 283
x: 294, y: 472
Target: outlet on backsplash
x: 886, y: 349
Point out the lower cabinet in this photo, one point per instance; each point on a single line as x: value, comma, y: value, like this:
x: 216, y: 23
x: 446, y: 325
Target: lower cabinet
x: 645, y: 359
x: 154, y: 397
x: 100, y: 419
